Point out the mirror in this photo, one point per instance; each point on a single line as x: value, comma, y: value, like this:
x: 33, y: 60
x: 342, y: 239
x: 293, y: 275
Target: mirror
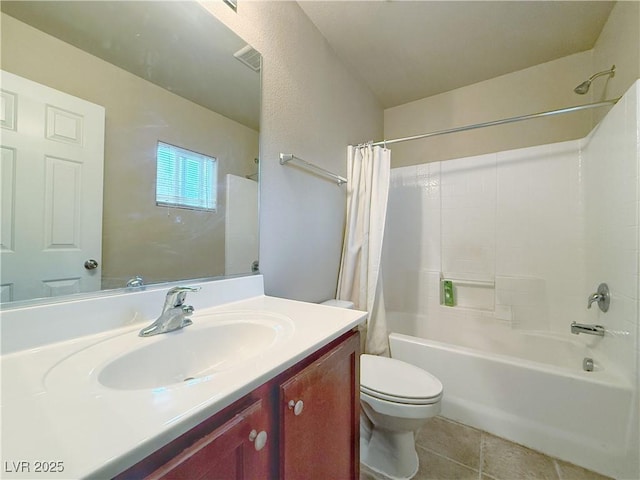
x: 98, y: 98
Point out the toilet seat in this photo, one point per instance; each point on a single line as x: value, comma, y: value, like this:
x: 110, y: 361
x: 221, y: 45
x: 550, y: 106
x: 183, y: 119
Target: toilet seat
x: 396, y: 381
x: 401, y: 400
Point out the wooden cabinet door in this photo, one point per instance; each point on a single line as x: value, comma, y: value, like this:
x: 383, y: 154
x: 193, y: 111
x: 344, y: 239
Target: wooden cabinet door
x: 319, y: 417
x: 229, y: 452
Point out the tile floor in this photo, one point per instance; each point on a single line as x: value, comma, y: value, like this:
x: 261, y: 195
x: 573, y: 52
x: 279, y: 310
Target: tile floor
x: 453, y: 451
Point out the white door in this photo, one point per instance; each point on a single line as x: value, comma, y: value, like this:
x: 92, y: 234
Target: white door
x: 51, y: 174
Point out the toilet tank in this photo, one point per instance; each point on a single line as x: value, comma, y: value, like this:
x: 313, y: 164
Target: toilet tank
x: 338, y: 303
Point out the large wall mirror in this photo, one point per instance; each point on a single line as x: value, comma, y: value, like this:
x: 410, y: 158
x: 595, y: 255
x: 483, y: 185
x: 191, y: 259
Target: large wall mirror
x: 129, y: 147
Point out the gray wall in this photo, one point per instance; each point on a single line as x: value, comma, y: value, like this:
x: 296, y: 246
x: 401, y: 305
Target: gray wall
x: 313, y: 107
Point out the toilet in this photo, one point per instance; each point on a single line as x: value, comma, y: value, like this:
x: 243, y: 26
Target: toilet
x: 396, y: 399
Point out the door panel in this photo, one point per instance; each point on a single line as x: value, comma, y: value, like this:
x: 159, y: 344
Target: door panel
x: 51, y: 177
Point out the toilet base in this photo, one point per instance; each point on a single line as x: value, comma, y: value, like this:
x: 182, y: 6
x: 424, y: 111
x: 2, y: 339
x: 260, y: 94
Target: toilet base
x: 390, y: 455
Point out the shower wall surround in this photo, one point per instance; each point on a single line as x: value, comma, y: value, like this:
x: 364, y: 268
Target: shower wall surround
x: 526, y: 235
x: 611, y: 176
x: 494, y: 225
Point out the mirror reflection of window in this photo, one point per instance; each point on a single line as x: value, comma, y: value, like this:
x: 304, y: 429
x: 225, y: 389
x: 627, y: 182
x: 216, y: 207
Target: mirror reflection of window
x: 185, y: 178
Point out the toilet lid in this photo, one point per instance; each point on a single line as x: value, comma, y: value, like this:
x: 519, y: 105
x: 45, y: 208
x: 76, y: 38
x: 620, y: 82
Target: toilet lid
x: 393, y: 380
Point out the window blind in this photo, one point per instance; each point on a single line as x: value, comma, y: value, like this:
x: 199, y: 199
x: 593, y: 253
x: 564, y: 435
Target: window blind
x: 185, y: 178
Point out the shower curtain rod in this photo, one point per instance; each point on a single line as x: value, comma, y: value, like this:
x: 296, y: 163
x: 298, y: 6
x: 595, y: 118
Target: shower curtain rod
x: 501, y: 122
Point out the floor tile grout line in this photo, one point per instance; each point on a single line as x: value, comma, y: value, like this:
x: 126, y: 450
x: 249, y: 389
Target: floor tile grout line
x: 481, y: 459
x: 558, y: 469
x: 446, y: 458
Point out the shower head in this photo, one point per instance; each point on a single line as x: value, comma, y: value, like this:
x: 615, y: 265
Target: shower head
x: 584, y: 86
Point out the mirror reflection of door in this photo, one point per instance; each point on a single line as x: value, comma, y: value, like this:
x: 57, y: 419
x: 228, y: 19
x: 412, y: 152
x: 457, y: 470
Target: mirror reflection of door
x: 52, y: 155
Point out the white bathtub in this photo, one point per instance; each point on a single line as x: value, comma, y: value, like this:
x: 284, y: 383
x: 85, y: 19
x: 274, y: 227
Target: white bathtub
x: 528, y: 388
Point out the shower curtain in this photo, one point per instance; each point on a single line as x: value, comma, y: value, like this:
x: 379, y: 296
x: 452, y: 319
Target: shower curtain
x: 360, y: 279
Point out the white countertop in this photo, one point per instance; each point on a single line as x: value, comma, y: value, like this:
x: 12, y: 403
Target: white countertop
x: 97, y: 432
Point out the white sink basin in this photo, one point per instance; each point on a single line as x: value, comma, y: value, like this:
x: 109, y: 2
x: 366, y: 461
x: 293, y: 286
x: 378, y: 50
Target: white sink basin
x: 186, y: 355
x: 215, y: 343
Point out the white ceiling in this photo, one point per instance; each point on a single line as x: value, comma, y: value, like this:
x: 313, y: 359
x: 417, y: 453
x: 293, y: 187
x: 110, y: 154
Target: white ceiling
x: 407, y: 50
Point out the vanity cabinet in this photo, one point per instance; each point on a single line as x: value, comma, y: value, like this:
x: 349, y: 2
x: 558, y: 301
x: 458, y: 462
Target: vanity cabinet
x: 302, y: 424
x: 319, y: 417
x: 227, y: 452
x: 233, y: 444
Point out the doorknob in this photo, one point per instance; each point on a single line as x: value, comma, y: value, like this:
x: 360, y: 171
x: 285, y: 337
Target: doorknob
x: 91, y: 264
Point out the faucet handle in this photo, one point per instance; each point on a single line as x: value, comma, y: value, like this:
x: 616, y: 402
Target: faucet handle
x: 188, y: 309
x: 602, y: 297
x: 176, y: 296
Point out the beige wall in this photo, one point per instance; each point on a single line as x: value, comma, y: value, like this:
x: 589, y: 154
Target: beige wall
x: 619, y: 45
x: 313, y: 107
x: 140, y: 238
x: 536, y: 89
x: 540, y: 88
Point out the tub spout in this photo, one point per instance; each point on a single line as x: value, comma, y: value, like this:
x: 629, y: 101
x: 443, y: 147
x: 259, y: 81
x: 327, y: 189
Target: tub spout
x: 577, y: 328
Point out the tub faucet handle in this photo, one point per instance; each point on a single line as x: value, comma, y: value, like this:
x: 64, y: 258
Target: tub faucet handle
x: 594, y: 297
x: 601, y: 296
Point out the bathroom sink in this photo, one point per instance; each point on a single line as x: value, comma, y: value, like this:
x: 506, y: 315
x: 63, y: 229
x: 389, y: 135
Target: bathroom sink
x: 186, y: 354
x: 214, y: 344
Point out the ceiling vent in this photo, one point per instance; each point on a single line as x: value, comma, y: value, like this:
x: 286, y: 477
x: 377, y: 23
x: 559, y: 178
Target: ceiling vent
x: 250, y: 57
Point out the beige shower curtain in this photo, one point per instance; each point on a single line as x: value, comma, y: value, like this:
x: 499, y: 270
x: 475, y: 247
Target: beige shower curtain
x: 360, y: 280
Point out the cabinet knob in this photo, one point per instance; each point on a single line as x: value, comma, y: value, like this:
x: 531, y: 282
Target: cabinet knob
x: 259, y: 439
x: 296, y: 406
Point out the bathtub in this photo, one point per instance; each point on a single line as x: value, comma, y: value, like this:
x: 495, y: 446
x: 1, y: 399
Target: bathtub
x: 527, y: 387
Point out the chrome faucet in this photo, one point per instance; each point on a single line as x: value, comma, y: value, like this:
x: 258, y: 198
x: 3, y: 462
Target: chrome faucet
x: 135, y: 282
x: 602, y: 297
x: 577, y: 328
x: 594, y: 297
x: 174, y: 313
